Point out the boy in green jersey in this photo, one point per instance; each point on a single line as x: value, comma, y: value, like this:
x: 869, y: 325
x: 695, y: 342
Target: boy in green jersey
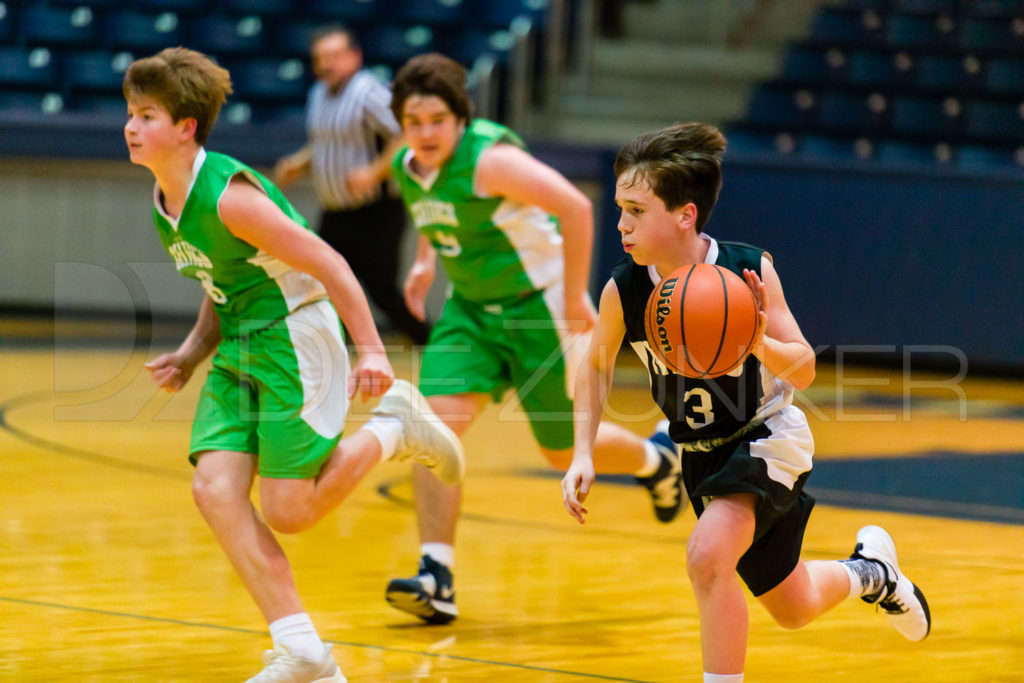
x: 514, y: 237
x: 275, y: 399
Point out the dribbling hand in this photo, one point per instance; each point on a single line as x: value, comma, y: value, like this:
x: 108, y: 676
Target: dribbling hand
x: 576, y: 486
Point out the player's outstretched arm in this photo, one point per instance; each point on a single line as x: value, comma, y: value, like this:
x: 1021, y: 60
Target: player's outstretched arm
x: 593, y: 382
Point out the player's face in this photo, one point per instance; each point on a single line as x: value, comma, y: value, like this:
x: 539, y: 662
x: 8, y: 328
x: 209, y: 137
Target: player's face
x: 648, y: 230
x: 431, y: 129
x: 151, y: 135
x: 335, y: 60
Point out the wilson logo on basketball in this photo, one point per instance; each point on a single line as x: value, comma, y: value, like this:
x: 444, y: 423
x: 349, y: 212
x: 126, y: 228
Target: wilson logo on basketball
x: 663, y: 308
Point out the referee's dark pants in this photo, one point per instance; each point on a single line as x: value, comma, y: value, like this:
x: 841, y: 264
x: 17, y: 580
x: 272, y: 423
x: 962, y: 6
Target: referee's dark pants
x: 369, y: 238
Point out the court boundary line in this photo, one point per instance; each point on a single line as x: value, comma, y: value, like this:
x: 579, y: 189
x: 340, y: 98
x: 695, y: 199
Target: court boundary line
x: 343, y: 643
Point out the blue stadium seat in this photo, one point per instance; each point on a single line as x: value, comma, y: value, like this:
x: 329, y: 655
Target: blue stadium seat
x: 143, y: 32
x: 984, y: 34
x: 433, y: 13
x: 924, y: 32
x: 393, y: 45
x: 95, y: 4
x: 57, y: 26
x: 832, y: 149
x: 465, y: 46
x: 784, y: 109
x: 185, y: 7
x: 98, y: 71
x: 262, y: 8
x: 977, y: 157
x: 270, y: 79
x: 357, y: 13
x: 293, y: 38
x: 835, y: 26
x: 853, y: 113
x: 223, y: 36
x: 501, y: 13
x: 927, y: 117
x: 926, y: 6
x: 949, y: 73
x: 885, y: 70
x: 20, y: 103
x: 109, y: 107
x: 992, y: 8
x: 811, y: 65
x: 901, y: 152
x: 1005, y: 76
x: 6, y: 22
x: 754, y: 142
x: 995, y: 122
x: 22, y: 67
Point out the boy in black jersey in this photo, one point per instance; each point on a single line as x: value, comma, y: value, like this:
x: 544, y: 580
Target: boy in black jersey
x: 746, y: 449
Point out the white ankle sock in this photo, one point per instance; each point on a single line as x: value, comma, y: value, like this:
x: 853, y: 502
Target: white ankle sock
x: 439, y: 552
x: 388, y: 430
x: 297, y: 632
x: 866, y: 576
x: 723, y: 678
x: 652, y: 460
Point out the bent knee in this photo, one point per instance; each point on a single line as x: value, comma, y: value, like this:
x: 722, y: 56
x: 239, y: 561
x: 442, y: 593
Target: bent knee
x: 212, y: 491
x: 287, y: 517
x: 791, y: 619
x: 706, y: 564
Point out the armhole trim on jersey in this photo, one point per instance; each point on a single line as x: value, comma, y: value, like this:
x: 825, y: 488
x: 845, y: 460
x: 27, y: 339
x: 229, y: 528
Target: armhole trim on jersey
x: 248, y: 176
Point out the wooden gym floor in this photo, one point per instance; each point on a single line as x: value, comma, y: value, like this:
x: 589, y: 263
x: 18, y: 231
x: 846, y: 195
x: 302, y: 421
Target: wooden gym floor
x: 107, y: 572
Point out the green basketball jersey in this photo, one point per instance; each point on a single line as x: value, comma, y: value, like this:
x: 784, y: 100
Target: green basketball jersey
x: 249, y: 288
x: 492, y: 248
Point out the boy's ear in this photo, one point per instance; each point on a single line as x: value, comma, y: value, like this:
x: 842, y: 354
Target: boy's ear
x: 188, y: 127
x: 686, y: 215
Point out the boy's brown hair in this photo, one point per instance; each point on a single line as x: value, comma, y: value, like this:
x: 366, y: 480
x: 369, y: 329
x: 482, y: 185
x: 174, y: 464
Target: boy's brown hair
x: 681, y: 164
x: 432, y: 74
x: 188, y: 84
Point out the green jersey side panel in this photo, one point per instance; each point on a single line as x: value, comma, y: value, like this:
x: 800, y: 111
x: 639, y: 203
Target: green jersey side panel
x: 248, y: 287
x: 492, y: 248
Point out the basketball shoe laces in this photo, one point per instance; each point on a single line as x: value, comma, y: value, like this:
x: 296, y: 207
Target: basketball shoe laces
x: 886, y: 597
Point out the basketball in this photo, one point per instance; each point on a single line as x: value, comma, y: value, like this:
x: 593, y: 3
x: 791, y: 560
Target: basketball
x: 701, y: 320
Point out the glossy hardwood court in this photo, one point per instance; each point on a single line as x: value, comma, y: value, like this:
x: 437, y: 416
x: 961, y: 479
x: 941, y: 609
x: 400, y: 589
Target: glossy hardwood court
x: 107, y: 572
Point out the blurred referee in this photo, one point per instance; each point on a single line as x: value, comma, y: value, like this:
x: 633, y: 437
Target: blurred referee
x: 351, y: 138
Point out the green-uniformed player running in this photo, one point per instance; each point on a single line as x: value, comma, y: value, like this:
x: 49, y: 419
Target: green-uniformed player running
x: 514, y: 237
x: 275, y: 399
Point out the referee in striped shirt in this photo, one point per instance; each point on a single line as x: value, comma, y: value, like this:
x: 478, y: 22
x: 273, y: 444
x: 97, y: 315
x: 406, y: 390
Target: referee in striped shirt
x: 351, y: 137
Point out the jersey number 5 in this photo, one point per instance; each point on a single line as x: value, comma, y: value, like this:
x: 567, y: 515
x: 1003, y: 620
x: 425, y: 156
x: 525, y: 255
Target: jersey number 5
x: 212, y: 290
x: 448, y: 244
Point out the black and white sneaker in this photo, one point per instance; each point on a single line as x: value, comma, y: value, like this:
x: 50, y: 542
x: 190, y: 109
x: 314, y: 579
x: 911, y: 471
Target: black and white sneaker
x: 666, y: 484
x: 429, y: 595
x: 901, y: 600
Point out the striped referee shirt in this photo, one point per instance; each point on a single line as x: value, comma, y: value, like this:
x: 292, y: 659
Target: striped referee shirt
x: 343, y: 130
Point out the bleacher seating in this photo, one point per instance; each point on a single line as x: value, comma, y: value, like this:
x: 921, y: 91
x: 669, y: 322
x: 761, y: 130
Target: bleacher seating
x: 68, y: 56
x: 910, y: 81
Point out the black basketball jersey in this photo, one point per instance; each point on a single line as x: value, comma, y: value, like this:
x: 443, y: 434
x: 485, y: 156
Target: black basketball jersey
x: 697, y: 409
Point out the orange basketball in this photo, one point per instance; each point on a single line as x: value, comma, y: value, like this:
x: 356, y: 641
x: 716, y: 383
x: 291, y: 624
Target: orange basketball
x: 701, y: 321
